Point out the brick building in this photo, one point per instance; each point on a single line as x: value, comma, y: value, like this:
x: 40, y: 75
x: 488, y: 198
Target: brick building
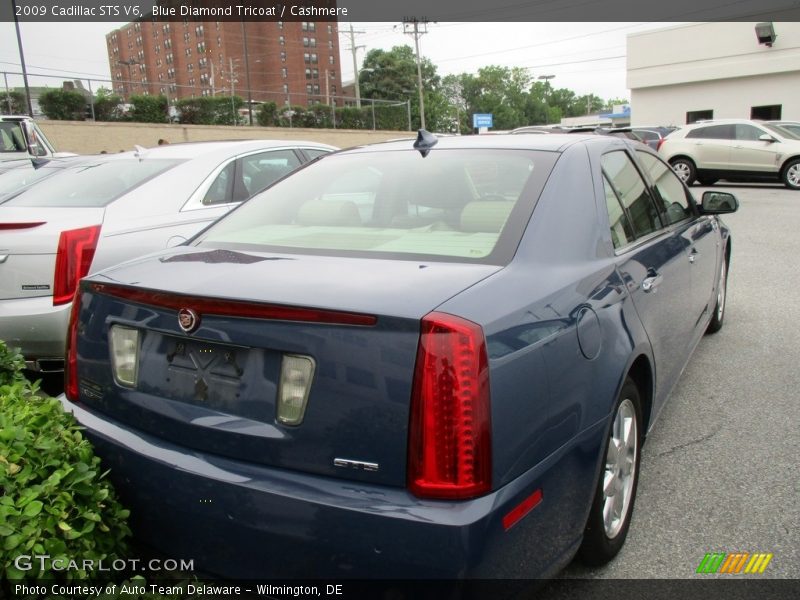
x: 289, y: 62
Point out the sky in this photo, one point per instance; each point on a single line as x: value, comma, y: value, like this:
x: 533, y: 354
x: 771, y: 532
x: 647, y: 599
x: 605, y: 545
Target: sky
x: 584, y: 57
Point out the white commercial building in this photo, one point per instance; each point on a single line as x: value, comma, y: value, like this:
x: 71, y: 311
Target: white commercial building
x: 685, y: 73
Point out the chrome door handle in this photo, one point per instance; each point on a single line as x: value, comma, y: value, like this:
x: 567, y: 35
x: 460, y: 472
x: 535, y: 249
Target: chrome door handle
x: 649, y: 284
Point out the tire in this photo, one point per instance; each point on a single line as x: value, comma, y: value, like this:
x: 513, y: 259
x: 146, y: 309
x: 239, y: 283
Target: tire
x: 791, y: 174
x: 706, y: 180
x: 603, y: 538
x: 685, y: 170
x: 719, y: 308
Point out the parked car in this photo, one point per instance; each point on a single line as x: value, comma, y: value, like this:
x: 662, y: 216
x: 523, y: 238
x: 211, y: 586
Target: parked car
x: 792, y: 127
x: 454, y: 349
x: 733, y: 149
x: 653, y: 136
x: 111, y: 208
x: 20, y: 136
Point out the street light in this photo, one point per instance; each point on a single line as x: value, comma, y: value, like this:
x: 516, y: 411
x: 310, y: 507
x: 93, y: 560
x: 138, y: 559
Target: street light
x: 129, y: 63
x: 546, y: 79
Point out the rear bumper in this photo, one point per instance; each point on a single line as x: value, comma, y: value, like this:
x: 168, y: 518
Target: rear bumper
x: 38, y: 328
x: 243, y: 521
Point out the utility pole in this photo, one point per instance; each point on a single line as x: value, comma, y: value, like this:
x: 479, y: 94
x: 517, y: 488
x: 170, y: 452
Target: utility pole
x: 232, y: 79
x: 417, y: 28
x: 354, y: 50
x: 22, y: 59
x: 247, y: 75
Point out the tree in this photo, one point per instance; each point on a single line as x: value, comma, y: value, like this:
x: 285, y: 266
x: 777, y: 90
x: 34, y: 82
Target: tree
x: 392, y: 75
x: 106, y: 105
x: 501, y: 91
x: 13, y: 103
x: 63, y: 105
x: 148, y: 109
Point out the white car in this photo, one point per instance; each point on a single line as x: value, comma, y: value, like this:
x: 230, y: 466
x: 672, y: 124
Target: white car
x: 115, y: 207
x: 733, y: 149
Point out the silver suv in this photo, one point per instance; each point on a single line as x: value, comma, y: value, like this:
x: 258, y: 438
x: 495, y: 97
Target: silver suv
x: 733, y: 149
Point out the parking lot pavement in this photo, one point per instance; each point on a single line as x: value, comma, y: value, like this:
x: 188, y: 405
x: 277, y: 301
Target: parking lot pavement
x: 720, y: 469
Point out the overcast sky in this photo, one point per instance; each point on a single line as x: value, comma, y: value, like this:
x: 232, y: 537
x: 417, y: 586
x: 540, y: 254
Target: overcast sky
x: 584, y: 57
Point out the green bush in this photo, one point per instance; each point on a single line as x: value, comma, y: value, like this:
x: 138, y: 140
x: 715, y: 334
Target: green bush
x: 210, y: 110
x: 148, y: 109
x: 55, y: 500
x: 63, y: 105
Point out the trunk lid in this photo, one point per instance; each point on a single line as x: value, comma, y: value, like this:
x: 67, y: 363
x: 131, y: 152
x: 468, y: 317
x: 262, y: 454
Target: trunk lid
x: 216, y: 389
x: 29, y: 243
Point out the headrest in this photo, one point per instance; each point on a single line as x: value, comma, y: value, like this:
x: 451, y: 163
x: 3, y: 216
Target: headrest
x: 329, y: 212
x: 485, y: 216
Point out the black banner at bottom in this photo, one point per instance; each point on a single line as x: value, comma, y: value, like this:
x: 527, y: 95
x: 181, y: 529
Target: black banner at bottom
x: 712, y: 588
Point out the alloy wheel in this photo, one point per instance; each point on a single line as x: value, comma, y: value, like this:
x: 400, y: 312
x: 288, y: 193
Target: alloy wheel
x: 620, y: 468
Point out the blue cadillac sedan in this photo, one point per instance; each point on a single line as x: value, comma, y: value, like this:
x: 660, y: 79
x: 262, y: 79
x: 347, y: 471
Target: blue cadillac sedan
x: 430, y: 359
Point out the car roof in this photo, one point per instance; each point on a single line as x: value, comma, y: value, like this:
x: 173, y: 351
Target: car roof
x: 188, y: 150
x: 555, y: 142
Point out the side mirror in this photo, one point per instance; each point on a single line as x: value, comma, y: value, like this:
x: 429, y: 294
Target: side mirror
x: 35, y: 147
x: 765, y: 137
x: 718, y: 203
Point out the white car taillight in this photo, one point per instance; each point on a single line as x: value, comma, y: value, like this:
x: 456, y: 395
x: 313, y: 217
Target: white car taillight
x: 296, y: 375
x: 125, y: 354
x: 76, y: 249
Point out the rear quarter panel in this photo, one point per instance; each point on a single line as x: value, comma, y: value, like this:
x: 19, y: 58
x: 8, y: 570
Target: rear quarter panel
x: 561, y: 332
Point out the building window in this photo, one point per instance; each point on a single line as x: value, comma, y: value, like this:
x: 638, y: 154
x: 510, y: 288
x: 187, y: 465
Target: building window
x: 313, y: 42
x: 308, y: 88
x: 186, y: 37
x: 190, y: 67
x: 308, y: 73
x: 330, y: 59
x: 167, y: 44
x: 285, y: 88
x: 198, y: 31
x: 698, y: 115
x: 201, y: 47
x: 280, y: 24
x: 305, y: 42
x: 284, y: 72
x: 315, y: 73
x: 188, y: 51
x: 330, y: 29
x: 283, y: 55
x: 770, y: 112
x: 330, y: 44
x: 313, y: 58
x: 316, y: 88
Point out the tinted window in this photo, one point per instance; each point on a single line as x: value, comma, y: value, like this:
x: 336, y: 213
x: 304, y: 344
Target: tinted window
x: 265, y: 168
x: 621, y: 231
x: 315, y: 152
x: 748, y: 132
x: 713, y: 132
x: 453, y: 203
x: 11, y: 139
x: 219, y: 192
x: 95, y: 183
x: 669, y: 188
x: 632, y: 192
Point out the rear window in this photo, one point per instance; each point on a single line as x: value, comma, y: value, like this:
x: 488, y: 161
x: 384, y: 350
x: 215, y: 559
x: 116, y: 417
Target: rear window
x: 94, y: 183
x: 465, y: 205
x: 16, y: 179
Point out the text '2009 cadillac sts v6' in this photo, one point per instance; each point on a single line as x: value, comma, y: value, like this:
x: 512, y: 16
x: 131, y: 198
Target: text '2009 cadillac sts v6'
x: 454, y: 349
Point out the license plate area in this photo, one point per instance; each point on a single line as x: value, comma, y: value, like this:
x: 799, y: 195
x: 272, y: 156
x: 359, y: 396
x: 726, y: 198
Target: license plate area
x: 229, y: 379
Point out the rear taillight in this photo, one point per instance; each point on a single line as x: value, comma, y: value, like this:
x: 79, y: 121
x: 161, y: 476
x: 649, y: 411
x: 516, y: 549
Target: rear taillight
x: 71, y: 366
x: 75, y: 253
x: 450, y: 428
x: 660, y: 143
